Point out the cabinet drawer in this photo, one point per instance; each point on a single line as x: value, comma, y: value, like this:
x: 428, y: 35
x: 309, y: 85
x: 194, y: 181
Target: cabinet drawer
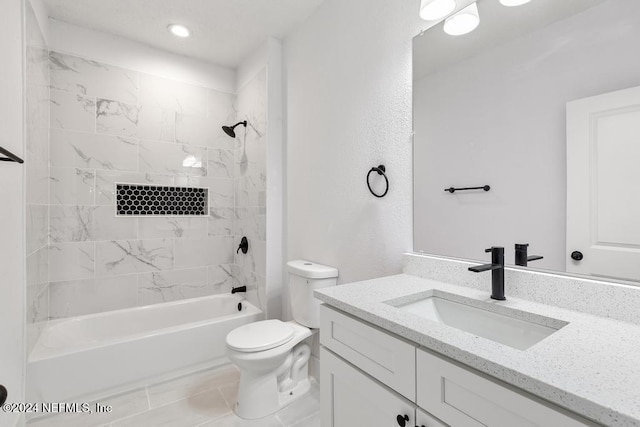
x: 462, y: 398
x: 386, y: 358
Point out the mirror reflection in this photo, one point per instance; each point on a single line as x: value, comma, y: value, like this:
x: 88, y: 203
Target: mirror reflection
x: 541, y: 103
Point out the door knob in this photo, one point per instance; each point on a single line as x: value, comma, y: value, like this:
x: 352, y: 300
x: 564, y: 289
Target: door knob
x: 402, y: 420
x: 577, y: 255
x: 3, y: 394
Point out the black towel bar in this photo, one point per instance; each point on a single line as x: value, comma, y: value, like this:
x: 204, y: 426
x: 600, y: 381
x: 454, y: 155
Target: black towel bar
x: 453, y: 190
x: 10, y: 156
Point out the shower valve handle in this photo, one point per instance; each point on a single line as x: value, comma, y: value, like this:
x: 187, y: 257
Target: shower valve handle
x: 244, y: 245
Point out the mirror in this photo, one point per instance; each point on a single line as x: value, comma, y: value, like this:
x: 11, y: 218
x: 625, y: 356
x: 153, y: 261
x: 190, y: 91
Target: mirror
x: 541, y: 103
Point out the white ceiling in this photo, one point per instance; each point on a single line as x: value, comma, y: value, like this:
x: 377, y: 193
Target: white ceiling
x: 223, y: 31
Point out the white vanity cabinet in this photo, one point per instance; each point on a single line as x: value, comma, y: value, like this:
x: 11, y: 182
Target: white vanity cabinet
x: 371, y: 377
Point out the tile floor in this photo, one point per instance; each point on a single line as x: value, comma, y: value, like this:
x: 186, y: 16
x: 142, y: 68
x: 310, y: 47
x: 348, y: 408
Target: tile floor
x: 203, y: 399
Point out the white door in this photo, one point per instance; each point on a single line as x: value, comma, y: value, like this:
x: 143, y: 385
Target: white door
x: 350, y: 398
x: 603, y: 185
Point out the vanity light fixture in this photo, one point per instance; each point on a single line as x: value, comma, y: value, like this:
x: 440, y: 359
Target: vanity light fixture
x: 432, y: 10
x: 513, y: 2
x: 179, y: 30
x: 463, y: 22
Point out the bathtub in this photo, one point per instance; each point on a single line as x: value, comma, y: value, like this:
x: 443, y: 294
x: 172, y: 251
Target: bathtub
x: 92, y: 356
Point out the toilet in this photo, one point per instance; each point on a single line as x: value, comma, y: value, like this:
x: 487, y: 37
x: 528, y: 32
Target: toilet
x: 271, y: 355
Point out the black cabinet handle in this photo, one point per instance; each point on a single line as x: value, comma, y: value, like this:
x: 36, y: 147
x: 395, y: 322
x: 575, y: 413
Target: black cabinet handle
x: 577, y: 256
x: 402, y: 420
x: 3, y: 394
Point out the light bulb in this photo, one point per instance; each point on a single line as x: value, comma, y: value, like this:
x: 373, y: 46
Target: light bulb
x: 432, y: 10
x: 179, y: 30
x: 463, y: 22
x: 192, y: 162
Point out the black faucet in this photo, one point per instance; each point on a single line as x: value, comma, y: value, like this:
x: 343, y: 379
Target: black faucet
x: 239, y: 289
x: 497, y: 272
x: 521, y: 255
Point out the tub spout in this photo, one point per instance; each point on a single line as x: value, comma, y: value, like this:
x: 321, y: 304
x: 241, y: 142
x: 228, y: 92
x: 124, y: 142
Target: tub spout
x: 239, y: 289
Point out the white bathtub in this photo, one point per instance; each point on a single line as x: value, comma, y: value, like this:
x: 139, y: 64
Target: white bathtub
x: 99, y: 354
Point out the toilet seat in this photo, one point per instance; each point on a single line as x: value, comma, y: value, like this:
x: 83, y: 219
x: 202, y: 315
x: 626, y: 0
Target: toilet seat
x: 260, y: 336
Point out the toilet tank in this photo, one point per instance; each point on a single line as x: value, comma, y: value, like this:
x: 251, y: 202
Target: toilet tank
x: 304, y: 278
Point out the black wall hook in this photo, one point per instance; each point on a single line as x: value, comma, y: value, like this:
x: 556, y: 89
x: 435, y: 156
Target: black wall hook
x: 381, y: 171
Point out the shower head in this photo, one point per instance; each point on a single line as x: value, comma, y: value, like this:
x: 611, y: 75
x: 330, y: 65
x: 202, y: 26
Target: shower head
x: 229, y: 130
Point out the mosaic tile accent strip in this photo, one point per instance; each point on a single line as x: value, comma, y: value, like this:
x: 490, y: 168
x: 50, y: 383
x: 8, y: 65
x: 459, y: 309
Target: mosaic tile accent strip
x: 151, y: 200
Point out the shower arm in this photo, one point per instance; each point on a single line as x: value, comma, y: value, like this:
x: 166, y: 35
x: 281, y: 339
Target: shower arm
x: 244, y: 123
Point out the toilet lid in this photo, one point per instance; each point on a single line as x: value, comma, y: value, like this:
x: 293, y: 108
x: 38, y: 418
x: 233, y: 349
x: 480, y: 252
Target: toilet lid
x: 259, y: 336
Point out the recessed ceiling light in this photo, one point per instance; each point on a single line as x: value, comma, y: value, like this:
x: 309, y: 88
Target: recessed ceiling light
x: 179, y: 30
x: 431, y: 10
x: 463, y: 22
x: 513, y: 2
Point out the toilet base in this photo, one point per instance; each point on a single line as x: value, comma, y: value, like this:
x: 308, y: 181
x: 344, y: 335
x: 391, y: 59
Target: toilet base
x: 260, y: 395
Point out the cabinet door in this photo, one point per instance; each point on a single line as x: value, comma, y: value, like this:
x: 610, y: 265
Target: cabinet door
x: 350, y: 398
x: 463, y: 398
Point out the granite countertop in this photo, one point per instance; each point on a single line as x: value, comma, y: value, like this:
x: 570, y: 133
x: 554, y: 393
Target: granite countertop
x: 591, y: 366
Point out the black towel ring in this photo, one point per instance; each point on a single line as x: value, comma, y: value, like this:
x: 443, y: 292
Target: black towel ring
x: 381, y: 171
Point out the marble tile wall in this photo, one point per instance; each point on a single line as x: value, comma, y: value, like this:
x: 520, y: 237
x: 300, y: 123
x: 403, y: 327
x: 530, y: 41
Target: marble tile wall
x: 250, y: 186
x: 37, y: 170
x: 108, y: 125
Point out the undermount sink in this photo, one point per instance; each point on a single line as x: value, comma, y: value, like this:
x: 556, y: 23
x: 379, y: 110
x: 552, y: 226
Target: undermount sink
x: 505, y: 329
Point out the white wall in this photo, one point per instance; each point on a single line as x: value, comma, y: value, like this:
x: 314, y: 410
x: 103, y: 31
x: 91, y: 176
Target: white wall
x: 348, y: 108
x: 251, y: 65
x: 275, y: 180
x: 269, y: 256
x: 37, y: 102
x: 12, y: 201
x: 42, y: 16
x: 114, y: 50
x: 498, y: 118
